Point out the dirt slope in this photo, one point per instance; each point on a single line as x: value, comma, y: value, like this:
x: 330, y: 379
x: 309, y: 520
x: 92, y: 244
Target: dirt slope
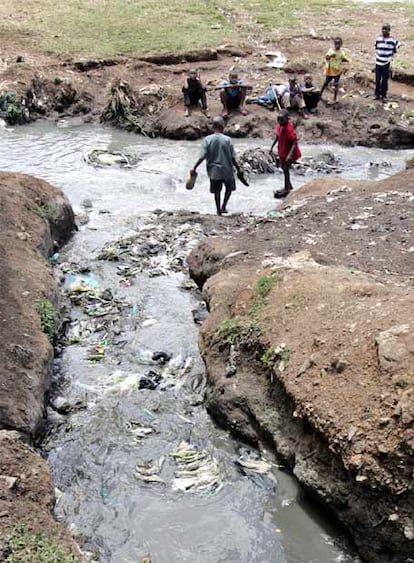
x: 309, y: 344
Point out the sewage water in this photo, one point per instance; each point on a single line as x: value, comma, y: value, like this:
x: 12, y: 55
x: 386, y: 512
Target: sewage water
x: 94, y: 449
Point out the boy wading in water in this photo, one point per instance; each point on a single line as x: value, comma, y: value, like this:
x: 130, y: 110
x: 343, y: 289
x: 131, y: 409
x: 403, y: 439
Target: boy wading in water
x: 287, y: 148
x: 218, y: 151
x: 335, y: 59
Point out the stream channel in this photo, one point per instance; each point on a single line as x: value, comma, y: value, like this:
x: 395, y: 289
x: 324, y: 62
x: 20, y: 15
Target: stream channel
x: 122, y: 312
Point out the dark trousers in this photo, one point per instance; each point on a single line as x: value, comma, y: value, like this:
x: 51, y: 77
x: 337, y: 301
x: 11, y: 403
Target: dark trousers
x: 193, y: 97
x: 382, y: 75
x: 311, y: 100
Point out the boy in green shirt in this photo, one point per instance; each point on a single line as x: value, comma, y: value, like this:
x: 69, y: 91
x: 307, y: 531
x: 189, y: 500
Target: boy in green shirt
x: 334, y: 66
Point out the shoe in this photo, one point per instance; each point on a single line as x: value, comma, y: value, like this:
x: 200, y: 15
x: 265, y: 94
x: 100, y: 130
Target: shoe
x: 281, y: 195
x: 187, y: 112
x: 205, y: 112
x: 385, y: 99
x: 377, y: 98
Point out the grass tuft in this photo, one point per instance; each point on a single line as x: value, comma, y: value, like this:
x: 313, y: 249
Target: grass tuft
x: 47, y: 314
x: 28, y: 547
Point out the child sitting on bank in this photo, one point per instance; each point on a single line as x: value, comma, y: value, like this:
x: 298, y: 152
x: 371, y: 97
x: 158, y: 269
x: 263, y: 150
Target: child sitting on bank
x: 194, y: 93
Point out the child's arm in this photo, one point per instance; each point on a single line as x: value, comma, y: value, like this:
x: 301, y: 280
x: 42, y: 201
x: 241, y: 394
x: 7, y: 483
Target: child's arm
x: 273, y: 144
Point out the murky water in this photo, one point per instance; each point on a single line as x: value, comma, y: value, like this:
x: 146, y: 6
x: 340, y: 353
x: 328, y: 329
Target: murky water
x: 94, y: 450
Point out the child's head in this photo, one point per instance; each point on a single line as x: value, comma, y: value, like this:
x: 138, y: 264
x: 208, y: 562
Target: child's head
x: 337, y: 43
x: 233, y: 76
x: 192, y: 73
x: 218, y: 124
x: 283, y: 117
x: 386, y: 30
x: 292, y: 81
x: 308, y: 79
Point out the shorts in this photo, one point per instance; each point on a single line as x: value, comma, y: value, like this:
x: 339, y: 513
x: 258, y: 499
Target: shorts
x: 216, y: 185
x: 329, y: 79
x: 233, y: 102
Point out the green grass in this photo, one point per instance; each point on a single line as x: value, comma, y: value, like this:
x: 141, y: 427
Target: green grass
x: 47, y: 314
x: 28, y: 547
x: 286, y: 13
x: 111, y: 27
x: 237, y: 332
x: 47, y: 212
x: 106, y: 28
x: 262, y: 289
x: 276, y: 356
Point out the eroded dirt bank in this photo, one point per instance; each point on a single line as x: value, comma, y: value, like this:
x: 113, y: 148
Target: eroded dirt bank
x: 66, y: 88
x: 35, y: 218
x: 309, y: 344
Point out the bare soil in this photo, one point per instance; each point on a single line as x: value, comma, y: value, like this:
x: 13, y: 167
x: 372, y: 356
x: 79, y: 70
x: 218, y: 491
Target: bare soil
x: 324, y: 360
x: 35, y: 218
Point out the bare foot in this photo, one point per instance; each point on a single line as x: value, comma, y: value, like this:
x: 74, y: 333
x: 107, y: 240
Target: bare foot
x: 224, y: 114
x: 243, y: 111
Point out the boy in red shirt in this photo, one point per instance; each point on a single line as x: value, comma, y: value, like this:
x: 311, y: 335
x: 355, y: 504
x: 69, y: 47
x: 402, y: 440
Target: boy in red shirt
x: 287, y: 148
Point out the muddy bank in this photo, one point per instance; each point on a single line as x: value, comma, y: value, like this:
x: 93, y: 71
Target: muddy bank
x: 309, y: 345
x: 35, y: 219
x: 61, y: 88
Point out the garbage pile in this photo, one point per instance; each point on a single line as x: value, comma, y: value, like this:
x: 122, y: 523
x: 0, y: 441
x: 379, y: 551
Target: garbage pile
x: 152, y: 248
x: 100, y: 311
x: 323, y: 163
x: 101, y: 157
x: 259, y: 161
x: 262, y: 161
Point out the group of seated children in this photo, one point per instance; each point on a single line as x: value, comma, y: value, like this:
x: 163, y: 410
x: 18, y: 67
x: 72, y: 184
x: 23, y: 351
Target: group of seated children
x: 303, y: 97
x: 232, y: 93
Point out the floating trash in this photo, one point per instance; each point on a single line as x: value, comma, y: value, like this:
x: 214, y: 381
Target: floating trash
x: 149, y: 471
x: 101, y: 157
x: 153, y: 249
x: 257, y: 469
x: 138, y: 429
x: 197, y: 470
x: 150, y: 380
x: 97, y: 352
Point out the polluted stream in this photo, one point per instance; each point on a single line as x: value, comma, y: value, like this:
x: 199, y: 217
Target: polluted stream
x: 140, y: 469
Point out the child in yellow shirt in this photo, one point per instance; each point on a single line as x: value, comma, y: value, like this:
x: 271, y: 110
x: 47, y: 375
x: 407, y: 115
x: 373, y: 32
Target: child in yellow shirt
x: 335, y: 59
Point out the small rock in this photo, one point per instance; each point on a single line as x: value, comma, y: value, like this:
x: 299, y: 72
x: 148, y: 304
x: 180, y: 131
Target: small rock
x: 7, y: 483
x: 384, y: 421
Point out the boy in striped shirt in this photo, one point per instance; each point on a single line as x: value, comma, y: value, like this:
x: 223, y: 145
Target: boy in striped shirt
x: 385, y: 48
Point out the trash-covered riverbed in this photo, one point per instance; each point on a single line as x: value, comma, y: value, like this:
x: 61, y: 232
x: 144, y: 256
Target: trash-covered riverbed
x: 139, y: 467
x: 140, y: 470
